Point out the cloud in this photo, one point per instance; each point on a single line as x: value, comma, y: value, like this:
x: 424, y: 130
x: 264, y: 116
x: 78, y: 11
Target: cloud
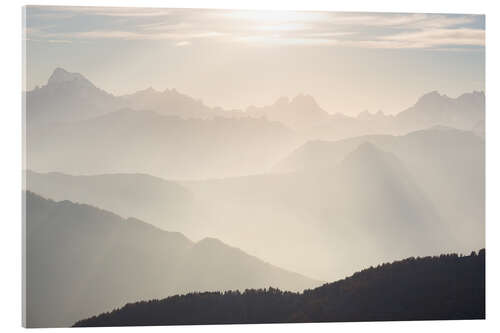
x: 407, y: 21
x: 254, y: 28
x: 72, y: 11
x: 132, y: 35
x: 59, y: 41
x: 280, y: 40
x: 270, y: 16
x: 183, y: 43
x: 440, y: 37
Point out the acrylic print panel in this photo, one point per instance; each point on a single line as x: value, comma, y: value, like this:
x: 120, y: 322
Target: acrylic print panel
x: 189, y: 166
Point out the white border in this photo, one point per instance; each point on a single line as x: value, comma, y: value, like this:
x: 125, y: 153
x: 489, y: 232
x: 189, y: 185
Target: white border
x: 10, y: 140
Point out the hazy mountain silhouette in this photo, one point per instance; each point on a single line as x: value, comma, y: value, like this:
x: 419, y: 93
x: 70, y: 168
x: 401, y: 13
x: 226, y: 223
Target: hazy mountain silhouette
x: 300, y: 113
x: 479, y: 129
x: 448, y: 165
x: 172, y: 103
x: 67, y: 97
x: 70, y: 96
x: 463, y: 112
x: 81, y: 260
x: 129, y: 141
x: 371, y: 177
x: 305, y: 116
x: 165, y: 204
x: 431, y: 288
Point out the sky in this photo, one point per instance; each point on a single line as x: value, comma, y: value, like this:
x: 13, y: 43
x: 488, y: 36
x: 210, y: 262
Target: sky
x: 349, y: 62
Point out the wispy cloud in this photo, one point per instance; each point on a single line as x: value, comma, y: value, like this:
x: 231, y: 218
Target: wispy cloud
x: 407, y: 21
x: 183, y: 43
x: 440, y: 37
x: 131, y: 35
x: 71, y: 11
x: 254, y: 28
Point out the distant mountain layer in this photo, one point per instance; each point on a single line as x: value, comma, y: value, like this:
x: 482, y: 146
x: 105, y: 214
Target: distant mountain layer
x: 446, y: 163
x: 81, y: 260
x: 431, y: 288
x: 67, y: 97
x: 71, y: 97
x: 75, y: 127
x: 300, y: 112
x: 304, y: 115
x: 129, y: 141
x: 165, y: 204
x: 463, y: 112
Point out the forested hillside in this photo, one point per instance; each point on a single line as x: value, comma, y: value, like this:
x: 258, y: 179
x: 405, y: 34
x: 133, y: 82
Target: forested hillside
x: 430, y: 288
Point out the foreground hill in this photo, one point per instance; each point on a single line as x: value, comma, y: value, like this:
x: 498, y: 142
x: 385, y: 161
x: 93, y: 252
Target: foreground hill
x: 429, y: 288
x: 81, y: 260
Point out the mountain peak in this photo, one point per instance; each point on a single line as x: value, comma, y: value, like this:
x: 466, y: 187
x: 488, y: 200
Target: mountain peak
x: 473, y: 97
x: 430, y: 94
x: 283, y: 100
x: 441, y: 128
x: 367, y: 154
x: 432, y: 98
x: 209, y: 241
x: 61, y: 75
x: 146, y: 92
x: 367, y: 147
x: 303, y: 100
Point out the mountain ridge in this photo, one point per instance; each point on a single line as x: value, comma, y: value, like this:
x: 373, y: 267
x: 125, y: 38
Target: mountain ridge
x: 301, y: 112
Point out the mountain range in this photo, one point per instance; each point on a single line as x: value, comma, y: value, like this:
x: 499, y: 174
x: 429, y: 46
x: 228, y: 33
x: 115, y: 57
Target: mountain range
x: 75, y: 127
x: 71, y: 97
x: 166, y: 204
x: 129, y: 141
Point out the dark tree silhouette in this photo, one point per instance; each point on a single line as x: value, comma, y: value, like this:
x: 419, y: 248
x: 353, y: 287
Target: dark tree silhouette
x: 431, y: 288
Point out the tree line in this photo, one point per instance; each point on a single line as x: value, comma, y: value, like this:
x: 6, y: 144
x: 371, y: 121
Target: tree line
x: 442, y: 287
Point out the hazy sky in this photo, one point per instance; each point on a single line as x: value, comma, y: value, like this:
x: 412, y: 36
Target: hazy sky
x: 348, y: 61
